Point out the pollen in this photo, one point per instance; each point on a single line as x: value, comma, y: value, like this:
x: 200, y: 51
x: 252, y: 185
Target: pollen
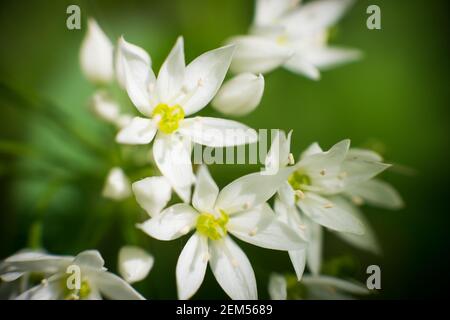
x: 213, y: 227
x: 168, y: 117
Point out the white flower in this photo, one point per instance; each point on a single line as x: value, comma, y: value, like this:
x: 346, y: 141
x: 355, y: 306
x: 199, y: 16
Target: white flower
x: 95, y: 281
x: 117, y: 186
x: 96, y: 55
x: 284, y: 34
x: 239, y: 95
x: 108, y: 110
x: 318, y: 287
x: 239, y: 209
x: 134, y: 263
x: 165, y: 101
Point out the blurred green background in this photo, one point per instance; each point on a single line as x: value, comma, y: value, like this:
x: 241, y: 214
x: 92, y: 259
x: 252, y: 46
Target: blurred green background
x: 394, y: 100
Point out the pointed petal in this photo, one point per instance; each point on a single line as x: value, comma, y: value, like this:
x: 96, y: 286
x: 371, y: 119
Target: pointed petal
x: 250, y: 190
x: 48, y: 290
x: 96, y: 54
x: 152, y: 194
x: 278, y: 155
x: 315, y: 244
x: 325, y: 58
x: 268, y: 12
x: 204, y: 77
x: 114, y: 287
x: 216, y: 132
x: 257, y: 54
x: 172, y: 155
x: 260, y: 226
x: 171, y: 75
x: 233, y: 270
x: 239, y: 95
x: 134, y: 263
x: 277, y: 287
x: 313, y: 148
x: 314, y: 16
x: 368, y: 240
x: 171, y: 223
x: 191, y: 266
x: 89, y: 259
x: 299, y: 64
x: 377, y: 193
x: 138, y: 75
x: 328, y: 213
x: 327, y: 281
x: 205, y: 192
x: 298, y: 259
x: 138, y: 131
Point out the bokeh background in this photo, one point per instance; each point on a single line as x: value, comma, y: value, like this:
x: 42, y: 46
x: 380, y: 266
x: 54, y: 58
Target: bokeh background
x: 54, y: 154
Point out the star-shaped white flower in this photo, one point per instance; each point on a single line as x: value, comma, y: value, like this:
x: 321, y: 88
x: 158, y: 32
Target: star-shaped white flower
x: 293, y: 36
x: 166, y: 100
x: 95, y: 281
x: 239, y: 209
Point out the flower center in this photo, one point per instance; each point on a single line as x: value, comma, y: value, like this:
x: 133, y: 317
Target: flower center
x: 168, y: 117
x: 298, y: 180
x: 211, y: 226
x: 82, y: 293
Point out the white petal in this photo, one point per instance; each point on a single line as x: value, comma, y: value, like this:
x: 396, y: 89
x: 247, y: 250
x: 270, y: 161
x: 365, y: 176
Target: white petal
x: 171, y: 75
x: 139, y: 77
x: 287, y: 194
x: 269, y: 11
x: 172, y: 155
x: 329, y: 214
x: 134, y: 263
x: 96, y: 54
x: 336, y: 283
x: 257, y: 54
x: 239, y: 95
x: 171, y: 223
x: 32, y: 261
x: 299, y: 64
x: 260, y: 226
x: 298, y: 259
x: 89, y: 259
x: 278, y: 155
x: 325, y: 58
x: 232, y: 270
x: 51, y: 289
x: 324, y: 169
x: 290, y: 215
x: 315, y: 244
x: 363, y: 154
x: 115, y: 288
x: 152, y: 194
x: 250, y: 190
x: 277, y: 287
x: 191, y: 266
x: 314, y: 16
x: 216, y: 132
x: 377, y: 193
x: 204, y: 76
x: 138, y: 131
x: 367, y: 241
x: 104, y: 107
x: 355, y: 170
x: 313, y: 148
x: 117, y: 185
x: 205, y: 192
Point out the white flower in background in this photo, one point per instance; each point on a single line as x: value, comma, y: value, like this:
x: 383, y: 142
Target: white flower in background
x: 117, y: 186
x: 317, y: 287
x: 95, y: 282
x: 239, y: 209
x: 316, y: 195
x: 152, y: 194
x: 134, y: 263
x: 165, y: 101
x: 96, y: 55
x: 108, y: 110
x: 239, y: 95
x: 293, y: 36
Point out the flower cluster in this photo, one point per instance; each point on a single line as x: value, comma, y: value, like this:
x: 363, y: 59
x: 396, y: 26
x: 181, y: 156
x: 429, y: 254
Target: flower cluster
x: 322, y: 189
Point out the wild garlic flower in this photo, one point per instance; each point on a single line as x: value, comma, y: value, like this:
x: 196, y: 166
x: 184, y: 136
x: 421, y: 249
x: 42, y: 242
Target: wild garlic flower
x: 314, y: 287
x: 165, y: 102
x: 293, y: 36
x: 239, y: 209
x: 95, y: 282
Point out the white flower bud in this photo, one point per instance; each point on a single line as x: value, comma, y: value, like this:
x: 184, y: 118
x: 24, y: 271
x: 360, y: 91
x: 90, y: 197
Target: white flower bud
x: 117, y: 186
x: 96, y: 55
x: 134, y: 263
x: 240, y: 95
